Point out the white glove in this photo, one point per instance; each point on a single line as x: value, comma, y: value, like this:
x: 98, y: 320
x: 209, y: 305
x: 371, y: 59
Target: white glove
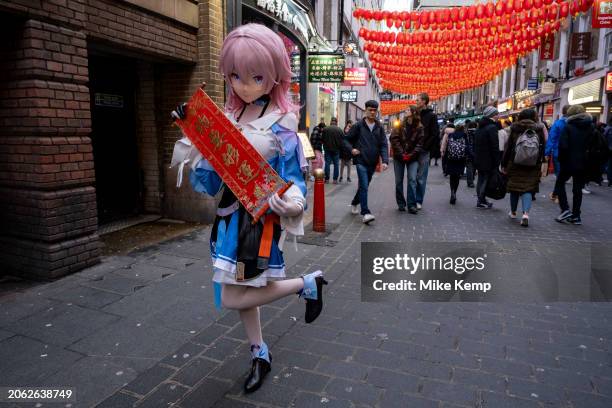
x: 286, y: 206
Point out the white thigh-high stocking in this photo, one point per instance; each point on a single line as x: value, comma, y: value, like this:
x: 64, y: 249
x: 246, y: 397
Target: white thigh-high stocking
x: 252, y: 324
x: 246, y: 297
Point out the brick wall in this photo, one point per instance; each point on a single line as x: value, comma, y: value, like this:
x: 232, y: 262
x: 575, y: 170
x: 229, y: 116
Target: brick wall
x: 176, y: 84
x: 48, y: 206
x: 121, y: 23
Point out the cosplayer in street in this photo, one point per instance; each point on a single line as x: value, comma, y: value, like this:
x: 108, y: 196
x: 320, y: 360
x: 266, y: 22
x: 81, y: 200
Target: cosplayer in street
x: 256, y: 67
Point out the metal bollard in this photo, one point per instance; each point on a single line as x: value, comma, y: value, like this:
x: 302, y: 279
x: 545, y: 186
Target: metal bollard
x: 318, y: 213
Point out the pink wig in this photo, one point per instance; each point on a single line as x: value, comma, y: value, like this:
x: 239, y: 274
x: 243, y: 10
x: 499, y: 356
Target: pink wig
x: 254, y: 49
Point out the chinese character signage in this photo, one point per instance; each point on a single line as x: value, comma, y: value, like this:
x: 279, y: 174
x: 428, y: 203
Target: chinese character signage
x: 602, y: 14
x: 386, y: 96
x: 287, y: 12
x: 325, y: 68
x: 348, y: 96
x: 580, y: 46
x: 609, y: 82
x: 355, y: 77
x: 240, y: 166
x: 547, y: 49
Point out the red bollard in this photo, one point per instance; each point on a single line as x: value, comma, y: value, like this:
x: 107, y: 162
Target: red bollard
x: 318, y: 213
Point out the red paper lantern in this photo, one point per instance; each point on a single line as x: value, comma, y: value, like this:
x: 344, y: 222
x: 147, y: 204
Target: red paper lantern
x: 564, y: 11
x: 537, y: 4
x: 471, y: 14
x: 499, y: 8
x: 378, y: 15
x: 509, y: 6
x: 480, y: 10
x: 389, y: 23
x: 463, y: 12
x: 424, y: 17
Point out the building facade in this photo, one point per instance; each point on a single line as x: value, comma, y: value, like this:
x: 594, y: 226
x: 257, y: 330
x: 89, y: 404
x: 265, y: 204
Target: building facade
x: 85, y: 133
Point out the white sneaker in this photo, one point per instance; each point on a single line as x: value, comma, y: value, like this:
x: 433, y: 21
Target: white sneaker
x: 419, y: 206
x: 368, y: 218
x: 354, y: 209
x: 512, y: 215
x: 586, y: 190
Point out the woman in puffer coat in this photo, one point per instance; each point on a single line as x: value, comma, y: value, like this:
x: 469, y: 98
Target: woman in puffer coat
x: 523, y: 180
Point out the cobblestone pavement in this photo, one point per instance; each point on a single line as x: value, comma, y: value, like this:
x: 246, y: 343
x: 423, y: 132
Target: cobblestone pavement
x: 140, y: 330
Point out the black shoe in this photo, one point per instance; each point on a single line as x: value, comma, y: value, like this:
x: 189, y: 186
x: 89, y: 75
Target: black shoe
x: 574, y: 220
x: 259, y: 369
x: 471, y: 185
x: 413, y: 210
x: 348, y: 180
x: 453, y: 198
x: 314, y: 307
x: 402, y: 209
x: 485, y: 205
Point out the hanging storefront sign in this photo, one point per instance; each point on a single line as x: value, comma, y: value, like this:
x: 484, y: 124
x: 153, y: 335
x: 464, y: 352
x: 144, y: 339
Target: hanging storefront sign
x: 348, y: 96
x: 547, y: 49
x: 355, y: 77
x: 581, y: 46
x: 548, y: 88
x: 609, y: 82
x: 386, y: 96
x: 532, y: 84
x: 549, y: 109
x: 504, y: 106
x: 585, y: 93
x: 602, y: 14
x: 325, y: 68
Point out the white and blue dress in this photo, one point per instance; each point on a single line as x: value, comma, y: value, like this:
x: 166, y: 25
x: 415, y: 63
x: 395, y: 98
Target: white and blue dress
x: 274, y: 137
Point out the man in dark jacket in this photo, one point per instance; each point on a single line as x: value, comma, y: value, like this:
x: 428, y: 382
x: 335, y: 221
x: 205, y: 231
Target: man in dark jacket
x: 431, y: 144
x: 333, y: 142
x: 367, y: 142
x: 574, y: 143
x: 486, y: 153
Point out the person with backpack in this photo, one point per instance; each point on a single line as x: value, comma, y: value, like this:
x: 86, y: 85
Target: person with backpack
x: 574, y: 145
x: 522, y: 162
x: 406, y: 144
x: 453, y: 151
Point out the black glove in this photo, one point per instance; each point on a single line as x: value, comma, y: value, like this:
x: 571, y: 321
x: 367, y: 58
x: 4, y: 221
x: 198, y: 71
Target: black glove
x: 180, y: 112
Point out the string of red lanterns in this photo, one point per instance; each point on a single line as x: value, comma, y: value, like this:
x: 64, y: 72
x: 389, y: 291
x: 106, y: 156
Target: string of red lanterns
x: 446, y: 51
x: 392, y: 107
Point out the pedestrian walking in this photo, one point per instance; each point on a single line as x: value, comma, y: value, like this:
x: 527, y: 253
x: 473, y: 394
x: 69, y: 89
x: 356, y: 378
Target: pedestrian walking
x: 431, y: 144
x: 333, y: 143
x: 345, y: 156
x: 486, y: 153
x: 316, y: 140
x: 406, y: 144
x: 552, y: 146
x: 248, y: 265
x: 522, y: 162
x: 469, y: 157
x: 574, y: 142
x: 367, y: 142
x: 453, y: 151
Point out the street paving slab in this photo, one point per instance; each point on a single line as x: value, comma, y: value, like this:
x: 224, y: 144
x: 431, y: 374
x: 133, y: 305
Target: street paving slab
x: 140, y: 330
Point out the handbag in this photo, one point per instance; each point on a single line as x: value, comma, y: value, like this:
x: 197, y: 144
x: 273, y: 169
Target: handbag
x: 496, y: 185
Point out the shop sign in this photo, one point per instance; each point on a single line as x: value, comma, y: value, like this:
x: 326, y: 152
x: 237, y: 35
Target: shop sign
x: 609, y: 82
x: 355, y: 76
x: 350, y: 49
x: 585, y: 93
x: 108, y: 100
x: 348, y: 96
x: 386, y: 96
x: 289, y: 13
x: 549, y: 109
x: 548, y: 88
x: 602, y: 14
x: 504, y: 106
x: 547, y: 49
x: 532, y: 84
x: 581, y: 46
x: 326, y: 68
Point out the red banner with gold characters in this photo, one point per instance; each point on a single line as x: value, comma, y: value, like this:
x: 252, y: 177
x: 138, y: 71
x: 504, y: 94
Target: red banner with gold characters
x: 240, y: 166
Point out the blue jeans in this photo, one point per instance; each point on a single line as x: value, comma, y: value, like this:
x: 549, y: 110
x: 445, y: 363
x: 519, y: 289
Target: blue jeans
x: 421, y: 178
x: 525, y: 201
x: 399, y: 167
x: 332, y: 158
x: 364, y: 175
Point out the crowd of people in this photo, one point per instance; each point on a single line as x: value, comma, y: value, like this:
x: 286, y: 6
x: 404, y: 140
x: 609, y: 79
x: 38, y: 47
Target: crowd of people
x: 498, y: 158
